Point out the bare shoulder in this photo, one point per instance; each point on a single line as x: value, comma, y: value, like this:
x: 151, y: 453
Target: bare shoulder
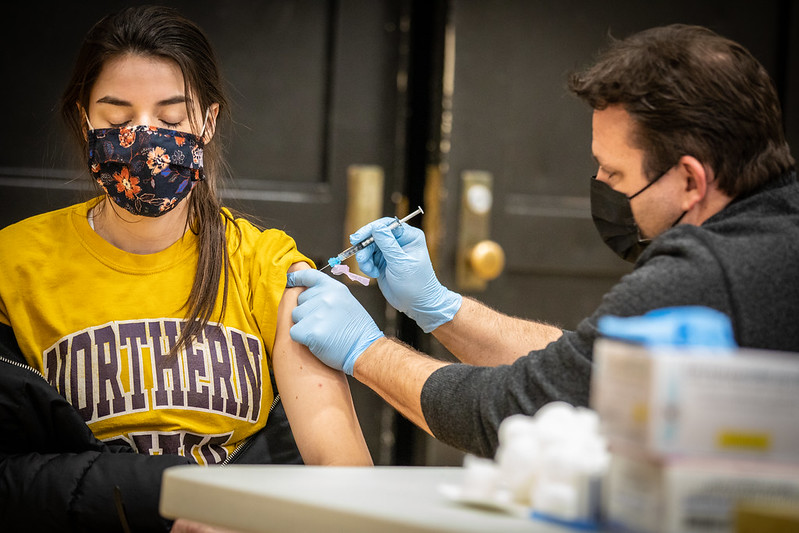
x: 302, y: 265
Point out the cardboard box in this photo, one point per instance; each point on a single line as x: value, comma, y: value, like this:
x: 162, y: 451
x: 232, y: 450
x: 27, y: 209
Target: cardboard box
x: 743, y: 404
x: 691, y: 495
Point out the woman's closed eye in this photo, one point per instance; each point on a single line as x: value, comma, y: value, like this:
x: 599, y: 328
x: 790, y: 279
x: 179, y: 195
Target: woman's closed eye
x: 171, y: 125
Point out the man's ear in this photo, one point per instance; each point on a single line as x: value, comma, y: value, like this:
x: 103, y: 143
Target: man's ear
x: 697, y: 178
x: 210, y: 123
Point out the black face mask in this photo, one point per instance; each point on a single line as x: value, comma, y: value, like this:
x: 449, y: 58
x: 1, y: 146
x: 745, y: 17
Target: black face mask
x: 613, y: 218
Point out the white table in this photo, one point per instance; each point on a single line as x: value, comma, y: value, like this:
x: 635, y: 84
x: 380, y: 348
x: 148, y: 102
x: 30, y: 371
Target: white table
x: 309, y: 499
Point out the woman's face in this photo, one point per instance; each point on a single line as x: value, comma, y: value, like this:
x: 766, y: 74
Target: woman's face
x: 134, y: 89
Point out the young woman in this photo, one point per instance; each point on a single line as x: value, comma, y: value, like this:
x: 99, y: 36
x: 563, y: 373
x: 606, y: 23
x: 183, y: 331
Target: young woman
x: 150, y: 309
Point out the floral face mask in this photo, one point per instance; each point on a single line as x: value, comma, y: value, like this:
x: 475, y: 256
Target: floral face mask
x: 144, y: 169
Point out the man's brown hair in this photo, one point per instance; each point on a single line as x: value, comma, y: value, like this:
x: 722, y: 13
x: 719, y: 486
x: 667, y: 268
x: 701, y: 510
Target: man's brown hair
x: 692, y: 92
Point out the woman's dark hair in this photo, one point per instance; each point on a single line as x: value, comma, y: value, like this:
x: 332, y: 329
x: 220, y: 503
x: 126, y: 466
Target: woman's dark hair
x: 163, y: 32
x: 692, y: 92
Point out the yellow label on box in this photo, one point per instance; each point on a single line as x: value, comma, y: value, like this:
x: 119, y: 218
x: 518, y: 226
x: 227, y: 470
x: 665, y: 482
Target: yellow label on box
x: 743, y: 440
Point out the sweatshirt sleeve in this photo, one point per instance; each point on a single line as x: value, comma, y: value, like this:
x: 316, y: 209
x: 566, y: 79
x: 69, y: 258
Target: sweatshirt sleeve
x: 273, y: 254
x: 464, y: 405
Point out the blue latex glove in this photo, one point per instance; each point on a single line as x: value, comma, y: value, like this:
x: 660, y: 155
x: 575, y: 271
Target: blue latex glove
x: 401, y: 264
x: 330, y: 321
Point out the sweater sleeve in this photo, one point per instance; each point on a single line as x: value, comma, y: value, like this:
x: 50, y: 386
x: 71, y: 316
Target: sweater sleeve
x: 464, y: 405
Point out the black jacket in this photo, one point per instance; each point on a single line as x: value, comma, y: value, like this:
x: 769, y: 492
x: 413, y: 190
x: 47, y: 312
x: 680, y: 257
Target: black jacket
x: 56, y: 476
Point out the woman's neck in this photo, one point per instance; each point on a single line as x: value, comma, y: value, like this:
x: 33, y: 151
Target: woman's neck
x: 137, y: 234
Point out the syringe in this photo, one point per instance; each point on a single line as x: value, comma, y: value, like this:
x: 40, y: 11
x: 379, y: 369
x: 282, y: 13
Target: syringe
x: 355, y: 248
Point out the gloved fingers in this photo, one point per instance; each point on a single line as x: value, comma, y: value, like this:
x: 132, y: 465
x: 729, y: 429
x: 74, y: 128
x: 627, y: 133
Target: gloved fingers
x: 304, y: 278
x: 388, y: 245
x: 370, y: 260
x: 317, y: 306
x: 329, y: 295
x: 292, y: 281
x: 302, y: 310
x: 408, y: 235
x: 319, y: 296
x: 333, y: 325
x: 297, y: 331
x: 303, y: 332
x: 365, y: 231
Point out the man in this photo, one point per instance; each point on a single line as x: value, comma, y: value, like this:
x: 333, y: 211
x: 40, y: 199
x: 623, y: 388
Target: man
x: 695, y: 184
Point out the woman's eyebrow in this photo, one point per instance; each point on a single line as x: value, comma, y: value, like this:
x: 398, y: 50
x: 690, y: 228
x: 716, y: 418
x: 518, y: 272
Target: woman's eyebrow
x: 113, y: 100
x: 179, y: 99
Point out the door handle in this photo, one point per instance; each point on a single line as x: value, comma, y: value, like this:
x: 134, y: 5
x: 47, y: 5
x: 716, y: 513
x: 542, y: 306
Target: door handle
x: 486, y: 260
x: 479, y: 259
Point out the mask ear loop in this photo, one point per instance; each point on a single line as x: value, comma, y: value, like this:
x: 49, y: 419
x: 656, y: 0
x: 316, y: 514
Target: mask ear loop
x: 88, y: 122
x: 648, y: 185
x: 205, y: 122
x: 90, y: 214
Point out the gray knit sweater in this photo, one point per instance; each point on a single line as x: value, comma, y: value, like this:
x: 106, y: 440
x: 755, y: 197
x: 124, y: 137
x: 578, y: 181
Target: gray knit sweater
x: 743, y: 261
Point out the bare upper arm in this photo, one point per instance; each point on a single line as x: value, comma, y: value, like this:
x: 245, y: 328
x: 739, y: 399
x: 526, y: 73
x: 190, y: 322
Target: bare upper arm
x: 302, y: 265
x: 316, y: 398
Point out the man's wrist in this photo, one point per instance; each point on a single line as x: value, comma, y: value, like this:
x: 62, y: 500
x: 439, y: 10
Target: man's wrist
x: 364, y: 361
x: 444, y: 312
x: 349, y: 363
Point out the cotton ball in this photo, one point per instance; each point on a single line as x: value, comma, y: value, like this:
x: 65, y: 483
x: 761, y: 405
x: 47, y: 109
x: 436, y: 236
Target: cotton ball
x: 480, y: 478
x: 573, y: 458
x: 594, y: 456
x: 548, y: 461
x: 556, y: 499
x: 554, y: 411
x: 516, y: 426
x: 586, y: 420
x: 560, y: 463
x: 518, y: 462
x: 518, y: 455
x: 554, y: 423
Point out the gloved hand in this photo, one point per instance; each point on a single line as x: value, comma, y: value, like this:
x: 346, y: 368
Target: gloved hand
x: 401, y: 264
x: 330, y: 321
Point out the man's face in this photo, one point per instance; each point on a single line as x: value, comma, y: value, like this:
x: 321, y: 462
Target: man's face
x: 621, y: 166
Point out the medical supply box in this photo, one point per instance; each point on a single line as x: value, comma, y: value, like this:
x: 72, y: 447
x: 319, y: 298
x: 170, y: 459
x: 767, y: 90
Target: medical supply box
x: 734, y: 403
x: 680, y: 494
